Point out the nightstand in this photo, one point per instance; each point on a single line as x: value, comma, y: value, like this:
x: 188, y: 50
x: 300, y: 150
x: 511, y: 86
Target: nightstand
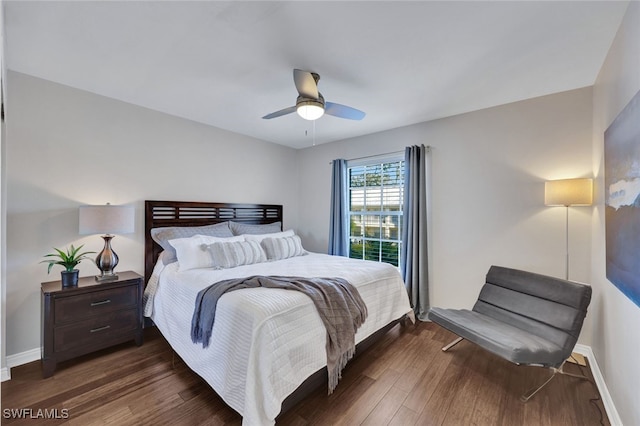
x: 92, y: 316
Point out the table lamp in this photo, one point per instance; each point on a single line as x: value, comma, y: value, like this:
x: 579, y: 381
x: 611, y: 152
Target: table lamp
x: 108, y: 220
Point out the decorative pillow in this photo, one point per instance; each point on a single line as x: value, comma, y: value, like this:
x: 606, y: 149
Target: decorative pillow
x: 192, y: 252
x: 260, y: 237
x: 230, y: 255
x: 163, y: 235
x: 282, y: 248
x: 250, y: 228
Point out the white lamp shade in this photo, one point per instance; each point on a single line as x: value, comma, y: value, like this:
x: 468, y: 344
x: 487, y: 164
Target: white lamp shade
x: 568, y: 192
x: 310, y: 110
x: 106, y: 219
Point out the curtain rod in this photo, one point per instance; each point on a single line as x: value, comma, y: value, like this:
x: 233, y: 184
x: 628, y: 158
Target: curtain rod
x: 379, y: 155
x: 372, y: 156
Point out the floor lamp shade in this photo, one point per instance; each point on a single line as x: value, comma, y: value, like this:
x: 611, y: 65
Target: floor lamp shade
x: 568, y: 192
x: 107, y: 220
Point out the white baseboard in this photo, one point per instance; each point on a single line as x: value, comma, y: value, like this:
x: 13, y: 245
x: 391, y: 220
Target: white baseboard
x: 20, y: 359
x: 5, y: 374
x: 607, y: 401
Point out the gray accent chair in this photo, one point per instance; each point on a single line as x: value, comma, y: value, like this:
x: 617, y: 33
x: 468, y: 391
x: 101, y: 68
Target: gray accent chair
x: 523, y: 317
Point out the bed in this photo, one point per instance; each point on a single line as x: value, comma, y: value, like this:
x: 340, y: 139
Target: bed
x: 267, y: 346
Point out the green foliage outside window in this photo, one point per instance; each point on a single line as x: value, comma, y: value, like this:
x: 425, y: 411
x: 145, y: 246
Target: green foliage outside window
x: 380, y: 251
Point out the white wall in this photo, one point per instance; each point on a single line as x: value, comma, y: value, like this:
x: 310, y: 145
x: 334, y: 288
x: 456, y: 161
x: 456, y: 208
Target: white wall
x: 67, y: 147
x: 616, y: 336
x: 3, y: 289
x: 489, y: 169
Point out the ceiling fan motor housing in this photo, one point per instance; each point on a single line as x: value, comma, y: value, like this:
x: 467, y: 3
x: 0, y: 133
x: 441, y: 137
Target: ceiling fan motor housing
x: 303, y: 100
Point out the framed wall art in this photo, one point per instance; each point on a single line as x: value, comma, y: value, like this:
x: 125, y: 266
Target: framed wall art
x: 622, y: 204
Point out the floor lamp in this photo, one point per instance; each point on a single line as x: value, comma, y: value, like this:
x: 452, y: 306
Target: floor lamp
x: 567, y: 193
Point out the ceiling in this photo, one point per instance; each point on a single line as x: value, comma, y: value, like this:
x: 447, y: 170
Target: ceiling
x: 227, y: 64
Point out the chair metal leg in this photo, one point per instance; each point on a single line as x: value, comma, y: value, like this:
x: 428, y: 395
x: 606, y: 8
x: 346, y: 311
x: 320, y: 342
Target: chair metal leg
x: 452, y: 344
x: 527, y: 396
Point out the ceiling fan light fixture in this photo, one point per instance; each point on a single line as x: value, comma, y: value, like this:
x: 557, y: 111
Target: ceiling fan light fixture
x: 310, y: 109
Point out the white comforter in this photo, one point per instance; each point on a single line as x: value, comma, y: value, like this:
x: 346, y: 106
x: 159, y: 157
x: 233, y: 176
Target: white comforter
x: 266, y: 342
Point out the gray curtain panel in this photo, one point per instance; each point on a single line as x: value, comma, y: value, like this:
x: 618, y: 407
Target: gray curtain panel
x: 414, y: 264
x: 339, y: 225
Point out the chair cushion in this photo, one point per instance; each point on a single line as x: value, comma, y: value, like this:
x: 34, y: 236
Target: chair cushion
x: 503, y: 339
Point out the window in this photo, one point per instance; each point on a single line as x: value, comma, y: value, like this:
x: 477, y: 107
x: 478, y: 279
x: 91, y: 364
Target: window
x: 375, y: 211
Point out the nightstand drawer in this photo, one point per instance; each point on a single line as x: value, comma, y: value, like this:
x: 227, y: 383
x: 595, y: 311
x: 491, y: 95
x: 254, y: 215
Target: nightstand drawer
x: 95, y: 303
x: 94, y: 330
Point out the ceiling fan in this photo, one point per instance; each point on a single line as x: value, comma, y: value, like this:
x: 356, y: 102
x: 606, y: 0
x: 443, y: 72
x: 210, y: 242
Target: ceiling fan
x: 310, y: 104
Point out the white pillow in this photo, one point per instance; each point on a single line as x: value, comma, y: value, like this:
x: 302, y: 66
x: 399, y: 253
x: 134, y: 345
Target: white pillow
x: 192, y: 252
x: 282, y: 248
x: 259, y: 237
x: 231, y: 254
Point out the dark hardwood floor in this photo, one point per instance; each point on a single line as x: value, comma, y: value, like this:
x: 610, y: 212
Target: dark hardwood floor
x: 405, y: 379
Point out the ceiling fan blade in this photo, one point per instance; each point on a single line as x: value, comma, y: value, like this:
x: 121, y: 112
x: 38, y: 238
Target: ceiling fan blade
x: 305, y: 84
x: 343, y: 111
x: 280, y: 113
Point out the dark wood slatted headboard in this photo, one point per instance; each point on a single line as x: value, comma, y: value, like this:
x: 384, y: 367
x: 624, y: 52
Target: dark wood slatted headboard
x: 186, y: 213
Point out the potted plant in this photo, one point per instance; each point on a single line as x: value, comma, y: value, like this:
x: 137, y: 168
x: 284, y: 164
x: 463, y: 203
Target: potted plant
x: 68, y: 260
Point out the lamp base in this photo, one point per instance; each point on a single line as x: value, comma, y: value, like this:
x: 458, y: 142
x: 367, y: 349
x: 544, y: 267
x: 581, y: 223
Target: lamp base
x: 106, y: 277
x: 106, y: 261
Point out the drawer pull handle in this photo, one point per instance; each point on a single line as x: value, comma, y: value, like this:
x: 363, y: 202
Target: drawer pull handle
x: 102, y: 302
x: 94, y: 330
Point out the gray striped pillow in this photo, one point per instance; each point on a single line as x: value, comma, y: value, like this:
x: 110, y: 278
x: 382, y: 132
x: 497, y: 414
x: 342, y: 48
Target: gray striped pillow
x: 238, y: 228
x: 238, y: 253
x: 283, y: 248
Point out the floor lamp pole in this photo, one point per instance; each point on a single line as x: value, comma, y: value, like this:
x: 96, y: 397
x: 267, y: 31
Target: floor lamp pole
x: 567, y: 243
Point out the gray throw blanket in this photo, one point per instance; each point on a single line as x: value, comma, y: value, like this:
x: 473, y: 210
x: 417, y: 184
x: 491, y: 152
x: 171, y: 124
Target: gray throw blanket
x: 338, y: 302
